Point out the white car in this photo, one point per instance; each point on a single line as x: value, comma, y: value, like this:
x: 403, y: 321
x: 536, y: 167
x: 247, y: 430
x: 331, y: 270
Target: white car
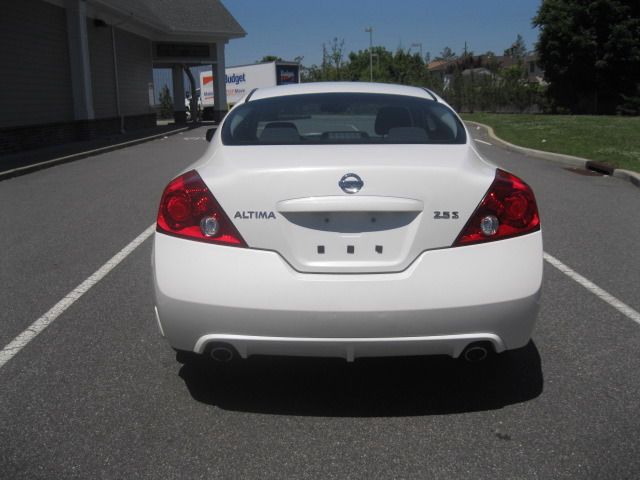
x: 346, y: 220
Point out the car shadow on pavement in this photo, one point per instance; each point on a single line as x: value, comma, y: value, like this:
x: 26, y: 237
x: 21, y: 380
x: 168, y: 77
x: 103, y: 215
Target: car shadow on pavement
x: 367, y: 387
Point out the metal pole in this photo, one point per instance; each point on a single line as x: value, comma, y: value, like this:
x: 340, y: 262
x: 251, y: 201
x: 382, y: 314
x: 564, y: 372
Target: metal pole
x: 377, y: 60
x: 370, y: 30
x: 418, y: 45
x: 115, y: 78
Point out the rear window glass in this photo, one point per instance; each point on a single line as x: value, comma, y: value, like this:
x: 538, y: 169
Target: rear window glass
x: 339, y: 118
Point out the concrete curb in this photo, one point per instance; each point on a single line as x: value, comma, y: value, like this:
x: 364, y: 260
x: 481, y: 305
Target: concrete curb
x: 633, y: 177
x: 15, y: 172
x: 567, y: 160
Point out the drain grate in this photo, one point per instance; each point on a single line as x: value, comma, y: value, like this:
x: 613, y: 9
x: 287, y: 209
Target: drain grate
x: 600, y: 167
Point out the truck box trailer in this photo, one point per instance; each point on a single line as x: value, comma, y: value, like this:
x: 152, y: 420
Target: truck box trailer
x: 243, y: 79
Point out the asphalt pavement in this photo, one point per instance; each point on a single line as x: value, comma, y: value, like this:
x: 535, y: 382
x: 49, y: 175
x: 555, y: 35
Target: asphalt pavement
x: 99, y: 394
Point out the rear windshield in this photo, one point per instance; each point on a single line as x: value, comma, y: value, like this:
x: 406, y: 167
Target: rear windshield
x: 339, y: 118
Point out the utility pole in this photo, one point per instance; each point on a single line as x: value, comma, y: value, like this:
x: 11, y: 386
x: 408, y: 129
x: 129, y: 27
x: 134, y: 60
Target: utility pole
x: 370, y: 31
x: 418, y: 45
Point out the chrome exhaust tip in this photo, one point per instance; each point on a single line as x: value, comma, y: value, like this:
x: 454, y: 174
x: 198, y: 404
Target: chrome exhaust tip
x: 475, y: 353
x: 222, y: 354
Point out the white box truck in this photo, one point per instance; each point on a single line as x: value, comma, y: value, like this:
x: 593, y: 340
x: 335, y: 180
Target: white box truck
x: 243, y: 79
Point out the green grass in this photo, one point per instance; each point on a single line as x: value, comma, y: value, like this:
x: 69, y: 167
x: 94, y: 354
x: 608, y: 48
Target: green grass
x: 611, y: 140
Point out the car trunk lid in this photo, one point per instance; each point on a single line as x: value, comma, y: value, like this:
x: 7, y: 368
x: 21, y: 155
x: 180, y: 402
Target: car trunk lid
x: 295, y: 200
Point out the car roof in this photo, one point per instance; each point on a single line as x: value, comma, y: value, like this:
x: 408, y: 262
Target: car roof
x: 342, y: 87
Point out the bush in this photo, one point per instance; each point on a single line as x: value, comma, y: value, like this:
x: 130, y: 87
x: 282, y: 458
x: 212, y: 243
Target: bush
x: 631, y: 105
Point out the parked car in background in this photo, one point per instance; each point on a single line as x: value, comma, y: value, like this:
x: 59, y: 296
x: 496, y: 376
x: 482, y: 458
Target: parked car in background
x: 187, y: 104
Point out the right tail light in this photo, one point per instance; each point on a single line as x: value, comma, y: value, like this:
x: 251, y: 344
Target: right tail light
x: 507, y: 210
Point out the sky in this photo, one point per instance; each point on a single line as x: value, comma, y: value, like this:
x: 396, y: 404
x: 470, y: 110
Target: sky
x: 288, y: 28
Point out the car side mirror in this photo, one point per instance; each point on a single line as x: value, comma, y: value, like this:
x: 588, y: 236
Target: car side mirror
x: 210, y: 133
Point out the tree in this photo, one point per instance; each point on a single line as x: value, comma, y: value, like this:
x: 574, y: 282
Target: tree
x: 408, y: 69
x: 335, y: 57
x: 590, y: 52
x: 166, y: 103
x: 472, y: 81
x: 358, y: 66
x: 311, y: 74
x: 333, y: 66
x: 518, y: 49
x: 269, y: 58
x: 446, y: 54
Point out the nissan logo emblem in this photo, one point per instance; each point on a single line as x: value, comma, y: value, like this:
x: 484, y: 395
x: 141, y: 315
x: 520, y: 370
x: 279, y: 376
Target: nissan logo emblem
x: 351, y: 183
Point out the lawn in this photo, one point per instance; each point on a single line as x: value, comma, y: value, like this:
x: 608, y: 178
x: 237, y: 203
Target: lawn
x: 611, y: 140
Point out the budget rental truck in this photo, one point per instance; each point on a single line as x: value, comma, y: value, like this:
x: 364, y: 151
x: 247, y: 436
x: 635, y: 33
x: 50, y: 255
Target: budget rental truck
x: 243, y: 79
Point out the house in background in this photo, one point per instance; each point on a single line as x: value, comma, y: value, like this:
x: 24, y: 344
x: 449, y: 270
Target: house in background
x: 76, y: 69
x: 484, y: 65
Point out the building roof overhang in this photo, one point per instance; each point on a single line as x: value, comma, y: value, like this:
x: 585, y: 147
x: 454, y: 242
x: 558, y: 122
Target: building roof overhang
x: 204, y: 21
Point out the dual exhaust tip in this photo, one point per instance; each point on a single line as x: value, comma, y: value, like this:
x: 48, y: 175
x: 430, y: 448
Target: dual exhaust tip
x: 473, y: 353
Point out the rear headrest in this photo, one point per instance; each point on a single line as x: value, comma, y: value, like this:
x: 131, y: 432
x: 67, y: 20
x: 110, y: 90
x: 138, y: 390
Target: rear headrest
x: 280, y: 132
x: 392, y: 117
x: 408, y: 134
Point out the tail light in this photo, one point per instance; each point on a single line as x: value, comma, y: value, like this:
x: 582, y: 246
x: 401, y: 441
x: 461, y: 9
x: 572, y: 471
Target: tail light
x: 189, y: 210
x: 507, y: 210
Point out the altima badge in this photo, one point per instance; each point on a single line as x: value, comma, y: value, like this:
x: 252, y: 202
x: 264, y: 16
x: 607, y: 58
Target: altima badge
x: 252, y: 214
x: 351, y: 183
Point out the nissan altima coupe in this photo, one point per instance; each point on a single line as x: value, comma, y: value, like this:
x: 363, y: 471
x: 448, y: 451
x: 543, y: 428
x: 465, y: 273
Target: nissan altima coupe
x: 346, y: 220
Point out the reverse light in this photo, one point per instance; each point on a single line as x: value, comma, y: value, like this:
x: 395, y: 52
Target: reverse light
x: 209, y: 226
x: 489, y: 225
x: 188, y: 209
x: 507, y: 210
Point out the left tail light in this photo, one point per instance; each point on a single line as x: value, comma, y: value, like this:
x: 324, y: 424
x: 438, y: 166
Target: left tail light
x: 189, y: 210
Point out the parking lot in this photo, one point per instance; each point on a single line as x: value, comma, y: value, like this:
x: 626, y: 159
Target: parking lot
x: 99, y: 394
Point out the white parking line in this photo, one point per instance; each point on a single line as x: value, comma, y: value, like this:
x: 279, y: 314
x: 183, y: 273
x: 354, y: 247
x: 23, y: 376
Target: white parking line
x: 47, y: 319
x: 482, y: 141
x: 593, y: 288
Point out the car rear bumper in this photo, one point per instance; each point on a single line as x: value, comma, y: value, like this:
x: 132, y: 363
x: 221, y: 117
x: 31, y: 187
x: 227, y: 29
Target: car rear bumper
x: 254, y: 301
x: 349, y: 348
